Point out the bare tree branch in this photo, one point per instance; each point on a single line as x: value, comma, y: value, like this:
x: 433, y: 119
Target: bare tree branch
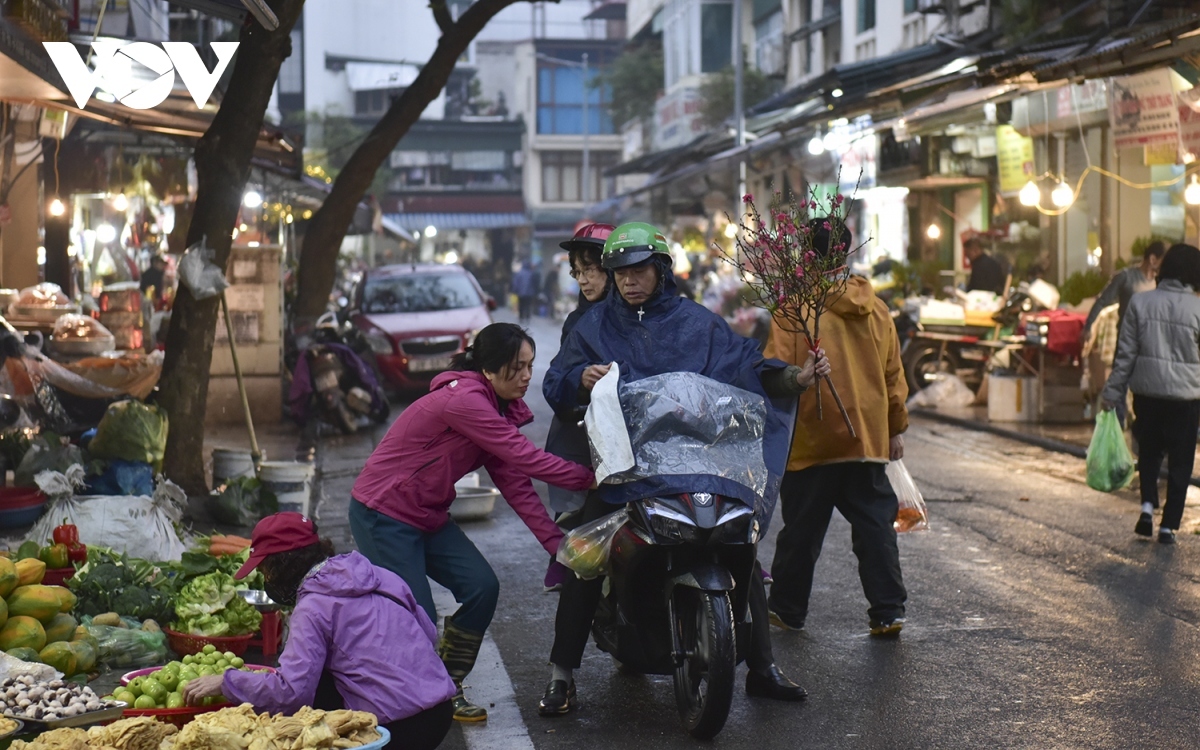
x: 441, y: 14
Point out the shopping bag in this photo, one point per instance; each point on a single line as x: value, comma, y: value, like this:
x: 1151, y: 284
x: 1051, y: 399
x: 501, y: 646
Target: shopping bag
x: 585, y: 550
x: 910, y: 514
x: 1109, y: 463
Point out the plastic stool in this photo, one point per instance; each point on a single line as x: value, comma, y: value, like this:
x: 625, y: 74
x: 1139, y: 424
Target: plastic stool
x: 270, y: 634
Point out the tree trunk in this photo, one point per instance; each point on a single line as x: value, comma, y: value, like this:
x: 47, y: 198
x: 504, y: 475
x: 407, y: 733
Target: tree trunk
x: 223, y: 157
x: 323, y: 238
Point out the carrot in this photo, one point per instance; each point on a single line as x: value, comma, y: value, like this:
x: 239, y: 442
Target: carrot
x: 230, y: 539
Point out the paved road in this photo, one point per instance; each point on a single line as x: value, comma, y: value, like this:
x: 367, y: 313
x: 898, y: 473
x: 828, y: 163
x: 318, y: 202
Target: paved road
x: 1036, y: 619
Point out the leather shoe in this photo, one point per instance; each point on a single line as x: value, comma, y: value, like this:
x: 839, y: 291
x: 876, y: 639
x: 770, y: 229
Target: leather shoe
x: 559, y: 698
x: 773, y: 684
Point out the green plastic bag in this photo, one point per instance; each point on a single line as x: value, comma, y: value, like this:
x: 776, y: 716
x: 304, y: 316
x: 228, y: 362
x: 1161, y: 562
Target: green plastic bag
x: 1110, y: 465
x: 132, y: 431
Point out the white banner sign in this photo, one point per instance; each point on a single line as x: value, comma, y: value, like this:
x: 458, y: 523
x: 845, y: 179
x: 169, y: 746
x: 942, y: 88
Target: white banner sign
x: 1142, y: 110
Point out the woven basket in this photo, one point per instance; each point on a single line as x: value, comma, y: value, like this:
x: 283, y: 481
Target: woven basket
x: 184, y: 644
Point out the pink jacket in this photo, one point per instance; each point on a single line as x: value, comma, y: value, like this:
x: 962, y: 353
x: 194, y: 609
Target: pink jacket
x: 455, y: 429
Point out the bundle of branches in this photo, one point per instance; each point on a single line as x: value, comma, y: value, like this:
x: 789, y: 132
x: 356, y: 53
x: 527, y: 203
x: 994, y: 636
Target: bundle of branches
x: 795, y: 262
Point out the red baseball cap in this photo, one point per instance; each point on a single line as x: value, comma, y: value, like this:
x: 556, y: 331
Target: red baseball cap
x: 282, y: 532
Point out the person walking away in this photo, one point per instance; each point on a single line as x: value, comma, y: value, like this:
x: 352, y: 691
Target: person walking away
x: 1158, y: 358
x: 551, y: 293
x: 830, y: 469
x: 566, y: 438
x: 525, y: 286
x: 399, y: 512
x: 1120, y: 289
x: 650, y: 330
x: 359, y: 640
x: 987, y: 273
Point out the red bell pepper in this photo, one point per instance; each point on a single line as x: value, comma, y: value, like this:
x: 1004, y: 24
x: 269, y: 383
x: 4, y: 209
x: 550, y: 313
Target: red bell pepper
x: 77, y: 553
x: 67, y: 533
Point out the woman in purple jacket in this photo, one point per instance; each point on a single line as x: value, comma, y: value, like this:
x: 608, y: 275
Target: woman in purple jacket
x: 399, y: 514
x: 358, y: 639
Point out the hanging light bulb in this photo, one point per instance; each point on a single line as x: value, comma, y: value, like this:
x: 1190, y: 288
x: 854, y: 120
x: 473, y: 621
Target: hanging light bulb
x: 1062, y: 195
x: 731, y: 231
x: 1191, y: 193
x: 252, y: 199
x: 120, y: 202
x: 1030, y: 194
x: 816, y: 146
x: 57, y: 208
x: 106, y: 233
x: 934, y: 232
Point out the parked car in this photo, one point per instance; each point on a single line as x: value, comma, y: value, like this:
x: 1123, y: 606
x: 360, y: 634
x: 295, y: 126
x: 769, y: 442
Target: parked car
x: 416, y: 317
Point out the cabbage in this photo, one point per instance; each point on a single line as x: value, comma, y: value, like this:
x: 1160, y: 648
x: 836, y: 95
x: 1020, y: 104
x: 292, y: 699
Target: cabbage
x: 131, y: 431
x: 210, y: 606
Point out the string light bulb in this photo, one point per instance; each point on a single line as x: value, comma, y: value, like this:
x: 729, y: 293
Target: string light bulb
x: 57, y: 208
x: 934, y: 232
x: 1062, y: 195
x: 731, y: 231
x: 816, y: 146
x: 1191, y: 194
x: 120, y: 202
x: 1030, y: 194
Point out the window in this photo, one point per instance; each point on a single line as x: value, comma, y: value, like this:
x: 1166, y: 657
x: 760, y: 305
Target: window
x: 562, y: 173
x: 374, y: 101
x: 291, y: 72
x: 560, y: 102
x: 716, y: 37
x: 768, y: 44
x: 911, y: 6
x: 866, y: 15
x: 423, y: 292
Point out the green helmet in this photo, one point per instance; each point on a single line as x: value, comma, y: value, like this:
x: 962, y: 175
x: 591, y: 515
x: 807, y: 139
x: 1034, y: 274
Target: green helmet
x: 633, y: 243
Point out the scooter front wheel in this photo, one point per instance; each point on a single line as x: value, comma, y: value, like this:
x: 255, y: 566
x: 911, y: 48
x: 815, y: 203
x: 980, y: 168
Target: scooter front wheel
x: 704, y: 678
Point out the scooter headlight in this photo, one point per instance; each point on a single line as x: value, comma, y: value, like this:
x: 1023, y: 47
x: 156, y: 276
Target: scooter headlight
x: 672, y: 525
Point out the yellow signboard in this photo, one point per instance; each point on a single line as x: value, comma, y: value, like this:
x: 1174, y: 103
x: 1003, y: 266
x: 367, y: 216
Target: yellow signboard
x: 1014, y: 156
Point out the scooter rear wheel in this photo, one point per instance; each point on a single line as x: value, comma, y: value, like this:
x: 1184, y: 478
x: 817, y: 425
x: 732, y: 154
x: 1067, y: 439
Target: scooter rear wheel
x: 704, y: 681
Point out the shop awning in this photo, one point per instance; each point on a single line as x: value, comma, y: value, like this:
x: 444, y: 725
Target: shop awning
x: 369, y: 76
x: 956, y: 106
x: 609, y: 11
x: 396, y: 229
x: 442, y: 221
x: 813, y: 27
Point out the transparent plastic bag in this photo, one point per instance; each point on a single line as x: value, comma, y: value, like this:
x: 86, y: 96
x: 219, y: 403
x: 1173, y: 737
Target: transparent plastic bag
x: 585, y: 550
x: 911, y: 514
x: 128, y: 648
x: 1110, y: 465
x: 202, y: 277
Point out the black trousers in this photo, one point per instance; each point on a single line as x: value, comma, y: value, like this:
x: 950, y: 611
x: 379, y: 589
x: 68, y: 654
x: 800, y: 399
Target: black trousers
x: 525, y: 307
x: 423, y: 731
x: 863, y: 495
x: 578, y: 600
x: 1166, y: 428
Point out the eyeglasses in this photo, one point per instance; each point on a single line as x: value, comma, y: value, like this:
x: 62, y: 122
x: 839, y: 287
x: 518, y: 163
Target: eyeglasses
x: 589, y: 271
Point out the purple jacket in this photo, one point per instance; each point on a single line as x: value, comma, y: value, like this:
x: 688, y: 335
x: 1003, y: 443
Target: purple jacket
x: 455, y: 429
x: 381, y: 654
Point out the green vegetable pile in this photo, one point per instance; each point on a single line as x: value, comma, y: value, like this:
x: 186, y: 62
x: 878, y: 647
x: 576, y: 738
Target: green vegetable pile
x: 132, y: 431
x: 112, y: 583
x: 209, y: 606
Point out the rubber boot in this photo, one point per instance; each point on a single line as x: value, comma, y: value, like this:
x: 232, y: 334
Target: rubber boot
x: 458, y: 649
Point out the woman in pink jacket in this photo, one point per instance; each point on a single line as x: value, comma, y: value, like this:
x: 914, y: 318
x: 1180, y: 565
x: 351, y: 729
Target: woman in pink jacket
x: 399, y: 514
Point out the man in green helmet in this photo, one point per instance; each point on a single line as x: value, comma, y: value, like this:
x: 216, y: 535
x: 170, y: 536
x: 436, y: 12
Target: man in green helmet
x: 648, y: 329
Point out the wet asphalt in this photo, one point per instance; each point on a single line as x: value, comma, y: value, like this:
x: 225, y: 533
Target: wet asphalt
x: 1036, y: 619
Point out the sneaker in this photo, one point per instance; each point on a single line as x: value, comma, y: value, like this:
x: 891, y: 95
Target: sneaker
x: 1145, y: 525
x: 889, y: 629
x: 559, y: 699
x: 1166, y: 536
x: 779, y: 622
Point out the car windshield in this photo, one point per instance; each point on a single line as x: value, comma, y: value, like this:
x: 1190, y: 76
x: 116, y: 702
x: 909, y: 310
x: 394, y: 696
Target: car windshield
x: 422, y: 292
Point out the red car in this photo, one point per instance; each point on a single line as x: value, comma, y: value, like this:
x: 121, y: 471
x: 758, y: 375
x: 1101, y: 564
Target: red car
x: 418, y: 316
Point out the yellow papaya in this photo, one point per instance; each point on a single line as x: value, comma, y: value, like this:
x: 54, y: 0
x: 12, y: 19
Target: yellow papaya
x: 85, y: 655
x: 61, y: 657
x: 60, y: 628
x: 36, y: 601
x: 66, y: 598
x: 9, y: 579
x: 3, y: 612
x: 22, y: 632
x: 30, y: 571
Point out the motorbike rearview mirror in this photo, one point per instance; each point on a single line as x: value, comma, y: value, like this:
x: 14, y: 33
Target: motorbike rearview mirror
x: 491, y: 303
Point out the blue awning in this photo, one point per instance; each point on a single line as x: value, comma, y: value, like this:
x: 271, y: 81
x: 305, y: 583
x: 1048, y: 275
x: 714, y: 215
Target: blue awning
x: 417, y: 222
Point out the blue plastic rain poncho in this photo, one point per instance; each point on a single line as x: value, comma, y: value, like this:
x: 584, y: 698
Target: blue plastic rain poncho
x: 672, y: 334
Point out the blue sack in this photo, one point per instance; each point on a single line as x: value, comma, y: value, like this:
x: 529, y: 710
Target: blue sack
x: 122, y: 477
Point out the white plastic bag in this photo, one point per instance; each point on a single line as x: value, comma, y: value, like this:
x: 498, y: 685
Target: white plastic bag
x: 911, y: 514
x: 199, y: 274
x: 607, y: 432
x: 11, y: 667
x: 142, y: 527
x: 585, y: 550
x: 949, y: 392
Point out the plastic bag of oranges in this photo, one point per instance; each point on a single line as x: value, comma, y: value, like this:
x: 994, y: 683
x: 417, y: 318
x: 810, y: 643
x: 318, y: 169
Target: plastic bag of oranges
x: 585, y: 550
x: 911, y: 514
